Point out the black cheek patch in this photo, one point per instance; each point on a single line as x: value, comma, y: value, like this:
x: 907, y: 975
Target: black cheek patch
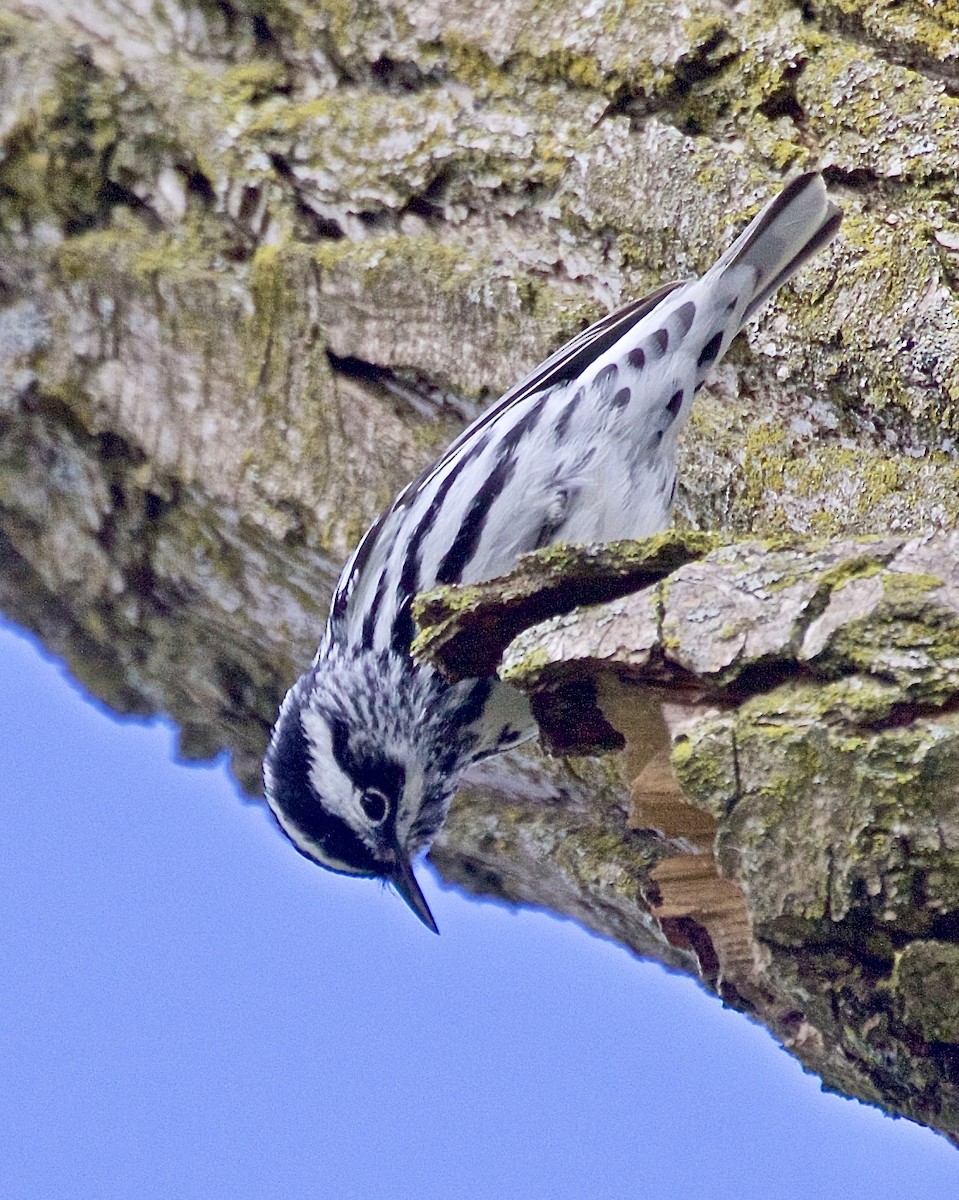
x: 367, y: 770
x: 473, y: 702
x: 289, y: 763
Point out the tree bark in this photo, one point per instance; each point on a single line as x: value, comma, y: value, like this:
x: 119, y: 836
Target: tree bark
x: 789, y: 721
x: 259, y: 262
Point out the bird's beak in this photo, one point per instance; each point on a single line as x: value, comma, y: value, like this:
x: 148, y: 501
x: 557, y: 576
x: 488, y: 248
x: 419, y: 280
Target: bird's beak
x: 405, y: 883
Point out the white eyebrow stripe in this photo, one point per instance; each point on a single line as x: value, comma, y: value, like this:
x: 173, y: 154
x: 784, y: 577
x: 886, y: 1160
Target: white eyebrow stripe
x: 329, y: 780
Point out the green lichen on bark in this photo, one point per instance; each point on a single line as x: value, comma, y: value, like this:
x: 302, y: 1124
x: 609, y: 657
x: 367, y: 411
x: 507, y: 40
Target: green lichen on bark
x: 926, y: 983
x: 907, y: 639
x: 835, y: 814
x: 704, y: 759
x: 374, y: 151
x: 925, y: 32
x: 903, y: 128
x: 57, y: 157
x: 474, y: 623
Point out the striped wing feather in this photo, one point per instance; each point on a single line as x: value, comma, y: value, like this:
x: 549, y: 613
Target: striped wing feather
x: 562, y: 366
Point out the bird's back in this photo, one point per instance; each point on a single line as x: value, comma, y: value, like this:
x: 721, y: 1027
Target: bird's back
x: 584, y: 449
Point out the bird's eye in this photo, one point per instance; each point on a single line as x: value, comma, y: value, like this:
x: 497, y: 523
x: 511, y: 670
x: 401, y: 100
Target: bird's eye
x: 374, y: 804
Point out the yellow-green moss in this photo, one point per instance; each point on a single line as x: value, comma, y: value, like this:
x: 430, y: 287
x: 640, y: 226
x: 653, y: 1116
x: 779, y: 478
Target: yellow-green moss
x: 659, y: 552
x: 877, y: 115
x: 927, y: 26
x: 703, y: 758
x: 580, y: 70
x: 853, y: 700
x: 381, y: 260
x: 277, y: 285
x: 907, y: 638
x: 827, y: 489
x: 376, y: 149
x: 926, y: 984
x: 468, y: 63
x: 865, y: 804
x: 523, y: 672
x: 251, y: 82
x: 470, y: 289
x: 127, y: 249
x: 58, y: 164
x: 860, y: 566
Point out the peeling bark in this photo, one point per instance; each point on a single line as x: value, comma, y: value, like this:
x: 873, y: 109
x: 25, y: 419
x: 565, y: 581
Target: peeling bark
x: 789, y: 717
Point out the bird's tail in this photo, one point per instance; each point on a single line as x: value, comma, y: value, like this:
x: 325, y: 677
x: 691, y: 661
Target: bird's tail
x: 789, y: 230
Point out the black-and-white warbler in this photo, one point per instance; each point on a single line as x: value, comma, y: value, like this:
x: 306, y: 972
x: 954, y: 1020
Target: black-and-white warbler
x: 368, y: 747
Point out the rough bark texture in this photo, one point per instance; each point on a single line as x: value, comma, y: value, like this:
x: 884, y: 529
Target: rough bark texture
x: 258, y: 262
x: 790, y: 721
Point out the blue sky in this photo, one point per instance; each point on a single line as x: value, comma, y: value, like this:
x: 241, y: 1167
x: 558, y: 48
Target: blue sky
x: 190, y: 1009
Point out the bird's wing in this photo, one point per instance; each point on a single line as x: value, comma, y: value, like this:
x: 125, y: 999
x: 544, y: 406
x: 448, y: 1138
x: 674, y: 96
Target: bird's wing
x: 562, y: 366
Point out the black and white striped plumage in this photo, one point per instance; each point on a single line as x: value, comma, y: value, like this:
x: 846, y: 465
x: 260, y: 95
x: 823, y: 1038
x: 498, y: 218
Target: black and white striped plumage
x: 368, y: 746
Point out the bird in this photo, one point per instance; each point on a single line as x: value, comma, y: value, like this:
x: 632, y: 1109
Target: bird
x: 369, y: 744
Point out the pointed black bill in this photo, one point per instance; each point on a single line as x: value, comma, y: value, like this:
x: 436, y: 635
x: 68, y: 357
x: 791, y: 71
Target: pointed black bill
x: 405, y: 883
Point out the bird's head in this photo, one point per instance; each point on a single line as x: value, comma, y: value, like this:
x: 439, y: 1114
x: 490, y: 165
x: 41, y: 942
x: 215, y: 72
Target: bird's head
x: 354, y: 774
